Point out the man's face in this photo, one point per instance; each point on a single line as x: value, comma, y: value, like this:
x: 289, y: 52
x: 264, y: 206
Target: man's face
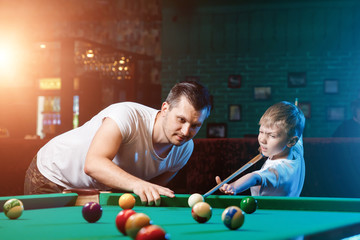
x: 182, y: 122
x: 273, y: 141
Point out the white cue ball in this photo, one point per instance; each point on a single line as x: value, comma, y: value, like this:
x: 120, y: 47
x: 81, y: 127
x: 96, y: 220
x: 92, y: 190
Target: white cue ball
x: 195, y: 198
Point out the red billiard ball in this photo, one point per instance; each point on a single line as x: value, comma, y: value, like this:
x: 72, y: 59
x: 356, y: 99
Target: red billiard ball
x: 248, y: 205
x: 201, y: 212
x: 121, y: 219
x: 92, y: 212
x: 135, y: 222
x: 152, y: 232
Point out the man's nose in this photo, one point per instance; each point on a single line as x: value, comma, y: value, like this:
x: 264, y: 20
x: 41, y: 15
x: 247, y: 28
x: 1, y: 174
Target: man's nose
x: 185, y: 130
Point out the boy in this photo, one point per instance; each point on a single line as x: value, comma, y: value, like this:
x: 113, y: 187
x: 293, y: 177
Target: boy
x: 280, y: 139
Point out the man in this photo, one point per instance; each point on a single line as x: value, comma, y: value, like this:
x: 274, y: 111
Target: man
x: 127, y: 146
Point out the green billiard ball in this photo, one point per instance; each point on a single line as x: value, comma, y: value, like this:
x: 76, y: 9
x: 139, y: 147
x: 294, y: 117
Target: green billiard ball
x: 248, y: 205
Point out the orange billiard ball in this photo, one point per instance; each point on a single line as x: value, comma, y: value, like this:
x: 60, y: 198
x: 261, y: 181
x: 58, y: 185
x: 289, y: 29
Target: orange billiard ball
x: 127, y: 201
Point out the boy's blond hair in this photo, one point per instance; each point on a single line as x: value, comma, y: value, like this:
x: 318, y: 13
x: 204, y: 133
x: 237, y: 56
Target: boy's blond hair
x: 284, y: 115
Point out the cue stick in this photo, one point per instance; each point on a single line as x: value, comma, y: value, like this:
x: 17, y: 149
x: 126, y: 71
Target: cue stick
x: 240, y: 170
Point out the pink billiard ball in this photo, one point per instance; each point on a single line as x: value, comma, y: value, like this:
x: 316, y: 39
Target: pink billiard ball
x: 152, y: 232
x: 121, y: 219
x: 92, y: 212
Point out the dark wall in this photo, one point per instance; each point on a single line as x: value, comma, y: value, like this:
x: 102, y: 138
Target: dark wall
x: 264, y: 42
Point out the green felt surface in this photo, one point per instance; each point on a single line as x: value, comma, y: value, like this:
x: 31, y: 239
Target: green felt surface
x: 66, y: 222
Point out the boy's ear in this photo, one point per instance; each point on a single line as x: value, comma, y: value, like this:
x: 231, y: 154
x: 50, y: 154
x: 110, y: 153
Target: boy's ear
x: 293, y: 140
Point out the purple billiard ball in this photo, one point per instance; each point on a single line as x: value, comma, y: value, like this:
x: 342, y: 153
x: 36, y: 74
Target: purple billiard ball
x: 92, y: 212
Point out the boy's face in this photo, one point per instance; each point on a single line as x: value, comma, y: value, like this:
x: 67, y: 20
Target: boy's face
x: 274, y: 142
x: 182, y: 122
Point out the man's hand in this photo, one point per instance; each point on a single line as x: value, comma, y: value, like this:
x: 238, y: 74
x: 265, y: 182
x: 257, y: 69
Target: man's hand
x: 150, y: 193
x: 226, y: 188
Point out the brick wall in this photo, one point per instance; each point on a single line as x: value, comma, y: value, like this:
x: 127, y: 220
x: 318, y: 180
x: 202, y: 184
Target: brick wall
x: 263, y: 43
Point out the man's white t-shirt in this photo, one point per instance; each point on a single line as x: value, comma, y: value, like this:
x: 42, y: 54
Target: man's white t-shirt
x: 62, y: 159
x: 282, y: 177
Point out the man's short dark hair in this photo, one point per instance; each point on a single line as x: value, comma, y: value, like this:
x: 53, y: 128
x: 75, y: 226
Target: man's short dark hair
x: 196, y: 93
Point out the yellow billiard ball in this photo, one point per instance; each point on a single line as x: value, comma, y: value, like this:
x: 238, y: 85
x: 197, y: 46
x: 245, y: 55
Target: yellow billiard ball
x: 135, y: 222
x: 13, y: 208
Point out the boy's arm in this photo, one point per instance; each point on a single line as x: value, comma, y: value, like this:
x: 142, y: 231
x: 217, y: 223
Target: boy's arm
x: 240, y: 185
x: 246, y: 181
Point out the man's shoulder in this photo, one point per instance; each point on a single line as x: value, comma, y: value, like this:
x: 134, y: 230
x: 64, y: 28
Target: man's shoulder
x: 130, y: 107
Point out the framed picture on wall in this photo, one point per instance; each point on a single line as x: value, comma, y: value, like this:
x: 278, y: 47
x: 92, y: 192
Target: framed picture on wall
x: 262, y: 93
x: 234, y: 112
x: 331, y: 86
x: 296, y: 79
x: 305, y: 108
x: 336, y: 113
x: 216, y: 130
x: 234, y: 81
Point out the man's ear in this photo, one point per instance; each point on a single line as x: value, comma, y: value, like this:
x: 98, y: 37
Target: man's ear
x: 165, y: 107
x: 293, y: 140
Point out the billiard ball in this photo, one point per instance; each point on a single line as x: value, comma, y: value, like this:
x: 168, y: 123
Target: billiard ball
x: 248, y: 204
x: 195, y: 198
x: 135, y: 222
x: 201, y: 212
x: 152, y: 232
x: 127, y: 201
x: 92, y: 212
x: 121, y: 219
x: 13, y: 208
x: 233, y: 217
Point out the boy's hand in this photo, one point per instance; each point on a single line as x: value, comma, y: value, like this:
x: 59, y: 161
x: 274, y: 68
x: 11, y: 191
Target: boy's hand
x: 226, y: 188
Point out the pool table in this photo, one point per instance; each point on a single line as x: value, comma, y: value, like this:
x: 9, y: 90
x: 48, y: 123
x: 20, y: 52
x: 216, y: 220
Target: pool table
x: 58, y: 216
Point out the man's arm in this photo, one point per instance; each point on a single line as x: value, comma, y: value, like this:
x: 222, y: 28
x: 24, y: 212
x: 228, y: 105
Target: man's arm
x: 99, y: 165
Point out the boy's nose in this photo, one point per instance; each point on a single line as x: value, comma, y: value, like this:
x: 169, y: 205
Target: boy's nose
x: 262, y: 139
